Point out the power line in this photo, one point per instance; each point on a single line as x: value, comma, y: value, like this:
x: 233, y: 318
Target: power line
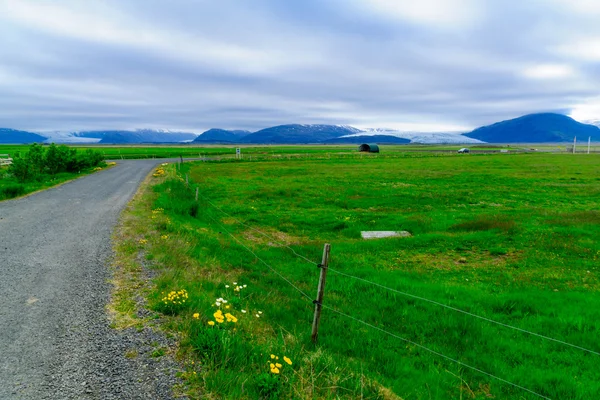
x: 435, y: 352
x: 465, y: 312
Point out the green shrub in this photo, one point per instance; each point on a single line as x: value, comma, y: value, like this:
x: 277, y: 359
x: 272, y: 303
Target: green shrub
x: 54, y: 160
x: 22, y: 169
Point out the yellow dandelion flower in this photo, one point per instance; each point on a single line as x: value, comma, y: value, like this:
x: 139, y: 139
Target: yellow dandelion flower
x: 271, y: 365
x: 196, y: 315
x: 272, y: 355
x: 275, y: 370
x: 287, y: 360
x: 278, y: 365
x: 211, y: 323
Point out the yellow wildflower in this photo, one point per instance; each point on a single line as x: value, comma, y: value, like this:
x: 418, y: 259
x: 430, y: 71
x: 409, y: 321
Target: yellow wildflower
x: 196, y: 315
x: 287, y: 360
x: 211, y: 323
x: 275, y: 370
x: 272, y: 355
x: 278, y: 365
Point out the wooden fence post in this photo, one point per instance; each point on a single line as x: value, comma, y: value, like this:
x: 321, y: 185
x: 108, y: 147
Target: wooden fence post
x: 320, y: 291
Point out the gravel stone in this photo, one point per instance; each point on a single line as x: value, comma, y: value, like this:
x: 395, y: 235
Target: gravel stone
x: 55, y: 339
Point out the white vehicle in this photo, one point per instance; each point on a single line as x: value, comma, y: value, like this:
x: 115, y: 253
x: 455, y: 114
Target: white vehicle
x: 464, y: 150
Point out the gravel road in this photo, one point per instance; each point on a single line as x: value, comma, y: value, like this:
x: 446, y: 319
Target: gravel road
x: 55, y: 341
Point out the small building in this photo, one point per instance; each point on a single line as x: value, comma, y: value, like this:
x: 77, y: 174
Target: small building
x: 369, y: 148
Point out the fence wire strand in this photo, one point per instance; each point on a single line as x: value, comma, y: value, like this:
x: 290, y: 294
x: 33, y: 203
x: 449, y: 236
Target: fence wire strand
x: 259, y: 231
x: 435, y: 352
x: 261, y: 260
x: 465, y: 312
x: 376, y: 327
x: 405, y: 293
x: 389, y: 289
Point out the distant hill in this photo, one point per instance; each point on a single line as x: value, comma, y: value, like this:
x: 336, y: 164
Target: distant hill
x: 221, y: 136
x: 18, y: 137
x: 536, y: 128
x: 299, y: 134
x: 140, y: 136
x: 367, y: 139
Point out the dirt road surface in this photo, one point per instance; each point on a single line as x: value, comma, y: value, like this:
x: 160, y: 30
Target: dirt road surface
x: 55, y: 339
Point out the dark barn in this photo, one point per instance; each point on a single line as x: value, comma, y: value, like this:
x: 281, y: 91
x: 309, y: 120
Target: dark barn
x: 369, y: 148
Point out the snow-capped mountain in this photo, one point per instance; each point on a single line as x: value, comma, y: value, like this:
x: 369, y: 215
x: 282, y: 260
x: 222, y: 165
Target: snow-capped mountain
x: 419, y: 137
x: 120, y: 136
x: 67, y: 137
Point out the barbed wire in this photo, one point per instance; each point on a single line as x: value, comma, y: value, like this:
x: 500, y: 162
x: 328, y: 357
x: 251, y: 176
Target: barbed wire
x: 434, y: 352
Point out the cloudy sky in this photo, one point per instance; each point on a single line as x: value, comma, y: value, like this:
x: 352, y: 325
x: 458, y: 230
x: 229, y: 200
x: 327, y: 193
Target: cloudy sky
x: 424, y: 65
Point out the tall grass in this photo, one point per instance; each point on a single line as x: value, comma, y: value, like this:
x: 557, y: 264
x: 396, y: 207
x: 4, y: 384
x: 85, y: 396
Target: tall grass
x: 504, y: 237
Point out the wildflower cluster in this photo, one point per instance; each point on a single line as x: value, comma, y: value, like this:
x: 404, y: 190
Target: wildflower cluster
x: 220, y: 317
x: 236, y: 287
x: 143, y: 241
x: 158, y: 210
x: 275, y: 366
x: 164, y: 237
x: 220, y: 301
x: 158, y: 172
x: 176, y: 297
x: 98, y: 169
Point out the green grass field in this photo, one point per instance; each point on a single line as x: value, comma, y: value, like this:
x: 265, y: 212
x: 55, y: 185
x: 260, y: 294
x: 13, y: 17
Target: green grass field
x: 512, y: 238
x: 115, y: 152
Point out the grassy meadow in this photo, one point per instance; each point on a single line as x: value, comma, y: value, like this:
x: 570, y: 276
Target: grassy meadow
x: 137, y: 151
x: 513, y: 238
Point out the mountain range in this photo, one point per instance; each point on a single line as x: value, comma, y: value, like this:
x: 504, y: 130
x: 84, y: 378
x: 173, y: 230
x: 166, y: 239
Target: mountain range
x: 532, y: 128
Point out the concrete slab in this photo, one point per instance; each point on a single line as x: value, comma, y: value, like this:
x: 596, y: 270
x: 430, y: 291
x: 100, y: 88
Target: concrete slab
x: 383, y: 234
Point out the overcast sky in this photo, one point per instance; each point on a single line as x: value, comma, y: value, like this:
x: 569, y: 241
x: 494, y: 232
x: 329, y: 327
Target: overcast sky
x: 426, y: 65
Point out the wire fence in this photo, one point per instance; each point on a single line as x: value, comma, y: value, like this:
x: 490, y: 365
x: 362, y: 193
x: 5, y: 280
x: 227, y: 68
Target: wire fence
x: 348, y: 316
x: 303, y: 293
x: 401, y: 292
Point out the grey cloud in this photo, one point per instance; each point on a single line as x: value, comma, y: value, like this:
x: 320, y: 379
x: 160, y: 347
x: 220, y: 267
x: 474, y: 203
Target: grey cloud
x: 332, y: 64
